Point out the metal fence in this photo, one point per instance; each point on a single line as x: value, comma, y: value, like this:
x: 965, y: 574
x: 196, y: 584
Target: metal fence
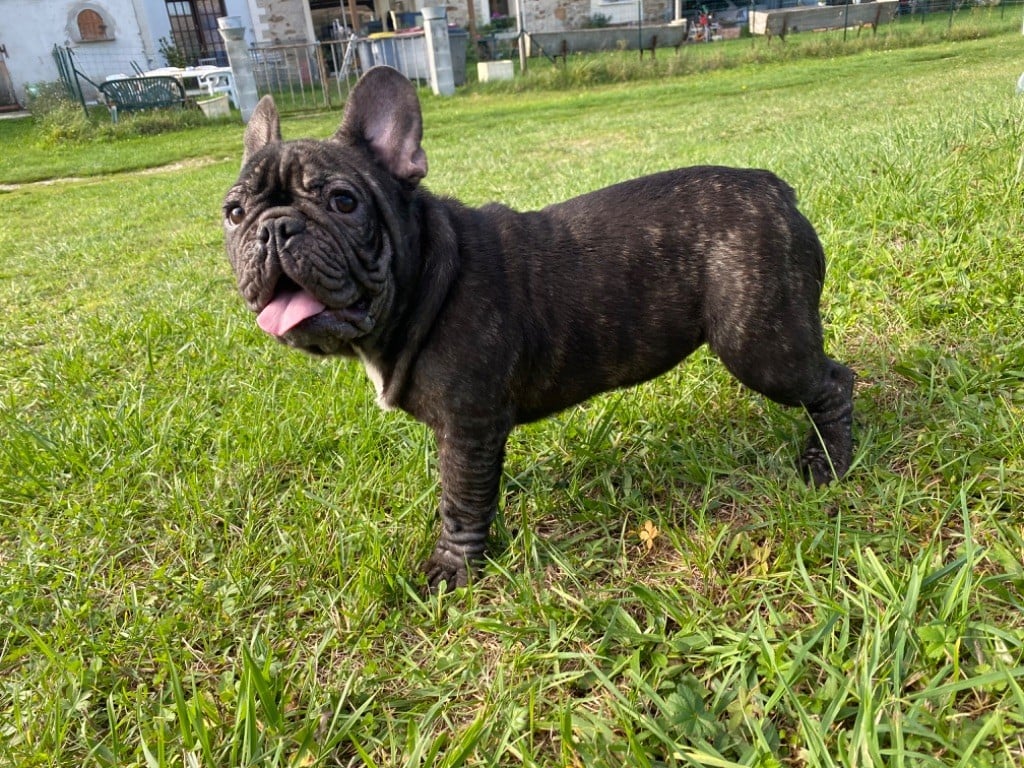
x: 960, y: 10
x: 300, y: 76
x: 82, y: 71
x: 306, y: 75
x: 309, y: 76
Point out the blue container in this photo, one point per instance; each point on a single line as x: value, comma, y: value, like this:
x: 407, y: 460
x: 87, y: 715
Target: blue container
x: 383, y: 46
x: 458, y: 40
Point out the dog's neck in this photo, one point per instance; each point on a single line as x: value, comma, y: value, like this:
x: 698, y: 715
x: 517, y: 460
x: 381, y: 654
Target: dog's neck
x: 421, y: 290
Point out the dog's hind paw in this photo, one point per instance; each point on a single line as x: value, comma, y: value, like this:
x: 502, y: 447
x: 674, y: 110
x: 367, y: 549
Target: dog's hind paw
x: 820, y: 465
x: 444, y: 567
x: 829, y: 450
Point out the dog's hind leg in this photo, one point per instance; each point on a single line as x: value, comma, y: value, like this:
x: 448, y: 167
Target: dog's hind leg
x: 829, y: 450
x: 790, y: 367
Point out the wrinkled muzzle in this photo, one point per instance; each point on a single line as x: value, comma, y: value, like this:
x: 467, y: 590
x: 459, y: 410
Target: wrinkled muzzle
x: 312, y: 286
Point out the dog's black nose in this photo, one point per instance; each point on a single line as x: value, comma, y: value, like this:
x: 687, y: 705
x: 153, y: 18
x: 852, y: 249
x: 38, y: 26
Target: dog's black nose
x: 282, y: 228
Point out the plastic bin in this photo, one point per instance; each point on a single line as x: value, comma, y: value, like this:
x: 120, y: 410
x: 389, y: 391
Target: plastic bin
x: 216, y: 107
x: 458, y: 39
x: 383, y: 46
x: 407, y: 52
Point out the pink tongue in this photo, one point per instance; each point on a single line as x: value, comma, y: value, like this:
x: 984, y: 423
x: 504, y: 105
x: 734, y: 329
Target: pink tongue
x: 288, y: 310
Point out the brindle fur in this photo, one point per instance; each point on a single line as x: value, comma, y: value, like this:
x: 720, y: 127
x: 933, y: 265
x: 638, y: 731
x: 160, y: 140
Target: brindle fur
x: 476, y: 320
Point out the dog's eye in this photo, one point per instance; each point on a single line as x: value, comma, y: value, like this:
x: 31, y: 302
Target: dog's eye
x: 342, y: 201
x: 235, y: 215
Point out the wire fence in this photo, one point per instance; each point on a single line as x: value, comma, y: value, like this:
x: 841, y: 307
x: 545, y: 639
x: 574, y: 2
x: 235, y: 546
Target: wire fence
x: 300, y: 76
x: 961, y: 11
x: 306, y: 76
x: 319, y: 75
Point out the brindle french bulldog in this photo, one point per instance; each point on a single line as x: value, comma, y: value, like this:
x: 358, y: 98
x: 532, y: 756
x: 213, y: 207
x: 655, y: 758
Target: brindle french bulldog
x: 474, y: 320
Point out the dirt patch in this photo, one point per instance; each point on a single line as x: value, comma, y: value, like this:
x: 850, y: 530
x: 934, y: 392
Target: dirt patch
x: 195, y: 162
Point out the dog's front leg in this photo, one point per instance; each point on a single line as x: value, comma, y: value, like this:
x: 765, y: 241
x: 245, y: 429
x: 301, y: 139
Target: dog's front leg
x: 470, y: 457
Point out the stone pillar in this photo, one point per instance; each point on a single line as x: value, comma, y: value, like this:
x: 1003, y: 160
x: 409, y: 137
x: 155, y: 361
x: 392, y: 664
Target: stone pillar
x: 439, y: 50
x: 233, y: 33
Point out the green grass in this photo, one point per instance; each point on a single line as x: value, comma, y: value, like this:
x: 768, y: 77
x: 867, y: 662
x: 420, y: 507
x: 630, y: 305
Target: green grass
x: 208, y: 544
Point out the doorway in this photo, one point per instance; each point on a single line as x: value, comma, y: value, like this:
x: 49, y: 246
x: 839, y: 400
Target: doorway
x: 194, y: 28
x: 8, y: 99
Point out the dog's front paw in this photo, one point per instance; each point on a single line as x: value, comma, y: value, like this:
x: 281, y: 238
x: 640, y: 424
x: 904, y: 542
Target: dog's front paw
x: 446, y: 567
x: 815, y: 466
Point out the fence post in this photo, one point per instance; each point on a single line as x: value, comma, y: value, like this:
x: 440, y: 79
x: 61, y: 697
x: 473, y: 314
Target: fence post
x: 439, y: 51
x: 69, y: 74
x: 233, y: 34
x: 640, y: 27
x: 322, y: 66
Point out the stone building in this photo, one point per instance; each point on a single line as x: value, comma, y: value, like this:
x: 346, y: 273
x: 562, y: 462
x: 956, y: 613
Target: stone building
x: 121, y: 36
x: 538, y: 15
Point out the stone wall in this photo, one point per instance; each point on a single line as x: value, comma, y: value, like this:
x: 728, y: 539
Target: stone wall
x: 281, y: 21
x: 561, y: 15
x: 555, y: 15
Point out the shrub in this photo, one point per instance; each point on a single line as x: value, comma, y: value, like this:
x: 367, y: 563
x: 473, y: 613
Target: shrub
x: 154, y: 121
x: 596, y: 21
x: 173, y: 55
x: 46, y: 97
x: 58, y: 117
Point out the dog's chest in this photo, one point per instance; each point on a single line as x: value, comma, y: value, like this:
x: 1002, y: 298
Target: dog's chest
x: 376, y: 376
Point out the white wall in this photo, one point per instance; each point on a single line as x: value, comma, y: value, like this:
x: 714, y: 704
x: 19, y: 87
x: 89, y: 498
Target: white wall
x: 281, y: 21
x: 135, y: 28
x: 618, y: 11
x: 30, y: 36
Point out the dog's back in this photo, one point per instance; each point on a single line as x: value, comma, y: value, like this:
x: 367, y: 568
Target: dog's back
x: 618, y: 285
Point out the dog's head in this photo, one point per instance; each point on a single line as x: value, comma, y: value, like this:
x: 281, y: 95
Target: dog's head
x: 313, y: 228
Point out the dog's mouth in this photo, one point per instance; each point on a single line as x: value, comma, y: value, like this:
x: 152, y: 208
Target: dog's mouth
x: 292, y: 305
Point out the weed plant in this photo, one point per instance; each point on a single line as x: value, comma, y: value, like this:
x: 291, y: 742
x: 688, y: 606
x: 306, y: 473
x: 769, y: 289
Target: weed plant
x: 60, y: 120
x: 208, y: 543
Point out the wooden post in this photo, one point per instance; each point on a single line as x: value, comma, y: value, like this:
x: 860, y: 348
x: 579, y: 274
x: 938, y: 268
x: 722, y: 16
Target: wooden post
x: 640, y: 27
x: 321, y: 65
x: 471, y: 20
x: 382, y: 10
x: 521, y: 36
x: 353, y: 17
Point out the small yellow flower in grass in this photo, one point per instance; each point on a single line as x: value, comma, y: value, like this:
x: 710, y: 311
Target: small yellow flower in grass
x: 648, y: 533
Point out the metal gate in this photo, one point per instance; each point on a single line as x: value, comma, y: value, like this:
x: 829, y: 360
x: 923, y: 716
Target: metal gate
x: 8, y: 99
x: 306, y: 75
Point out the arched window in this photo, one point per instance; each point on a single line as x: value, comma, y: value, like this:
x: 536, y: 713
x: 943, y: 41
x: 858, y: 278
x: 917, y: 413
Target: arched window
x: 92, y: 26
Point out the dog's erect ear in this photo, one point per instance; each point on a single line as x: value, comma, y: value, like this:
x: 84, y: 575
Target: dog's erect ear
x: 383, y: 115
x: 264, y: 127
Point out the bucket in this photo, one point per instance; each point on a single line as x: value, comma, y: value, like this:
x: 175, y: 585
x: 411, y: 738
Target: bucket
x: 487, y: 71
x: 215, y: 107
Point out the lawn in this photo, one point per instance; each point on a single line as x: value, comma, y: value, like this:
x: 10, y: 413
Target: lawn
x: 208, y: 544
